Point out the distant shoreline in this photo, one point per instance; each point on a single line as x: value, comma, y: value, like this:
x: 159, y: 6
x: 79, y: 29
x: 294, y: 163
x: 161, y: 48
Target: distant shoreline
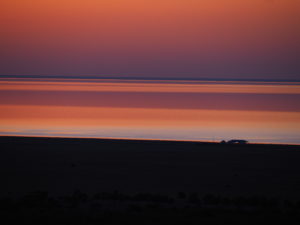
x: 142, y: 139
x: 147, y: 78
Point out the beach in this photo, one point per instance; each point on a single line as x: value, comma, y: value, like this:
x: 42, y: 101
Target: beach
x: 119, y: 181
x: 63, y: 165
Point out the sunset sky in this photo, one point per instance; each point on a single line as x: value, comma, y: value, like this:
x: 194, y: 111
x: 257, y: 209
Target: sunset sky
x: 217, y: 39
x: 194, y: 69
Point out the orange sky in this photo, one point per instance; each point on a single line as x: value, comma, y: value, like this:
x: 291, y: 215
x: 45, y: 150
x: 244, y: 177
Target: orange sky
x: 215, y: 39
x: 173, y: 38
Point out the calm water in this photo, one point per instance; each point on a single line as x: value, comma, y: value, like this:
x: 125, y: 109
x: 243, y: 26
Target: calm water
x: 266, y: 112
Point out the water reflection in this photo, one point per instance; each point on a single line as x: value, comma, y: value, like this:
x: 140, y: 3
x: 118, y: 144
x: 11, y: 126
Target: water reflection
x: 181, y: 110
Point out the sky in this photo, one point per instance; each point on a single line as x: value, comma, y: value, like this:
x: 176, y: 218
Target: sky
x: 215, y: 39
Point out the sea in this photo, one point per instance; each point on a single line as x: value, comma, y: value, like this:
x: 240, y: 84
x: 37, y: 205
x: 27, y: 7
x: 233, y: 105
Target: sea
x: 131, y: 108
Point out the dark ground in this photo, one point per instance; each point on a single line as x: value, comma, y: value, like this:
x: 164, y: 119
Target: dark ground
x: 167, y: 182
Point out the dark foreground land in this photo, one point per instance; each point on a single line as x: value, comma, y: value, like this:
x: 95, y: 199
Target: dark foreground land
x: 98, y: 181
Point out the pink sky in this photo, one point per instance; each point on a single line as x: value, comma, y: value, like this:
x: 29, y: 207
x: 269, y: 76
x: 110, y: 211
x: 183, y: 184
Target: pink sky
x: 241, y: 39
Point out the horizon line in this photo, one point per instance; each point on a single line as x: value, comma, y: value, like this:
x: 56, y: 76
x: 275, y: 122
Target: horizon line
x: 98, y: 77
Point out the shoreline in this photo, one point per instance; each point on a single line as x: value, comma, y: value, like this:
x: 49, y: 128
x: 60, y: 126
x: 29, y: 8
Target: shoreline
x: 144, y: 139
x: 62, y: 165
x: 167, y: 182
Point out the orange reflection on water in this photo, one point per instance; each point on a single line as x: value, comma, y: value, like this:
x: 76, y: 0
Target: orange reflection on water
x: 156, y: 109
x: 40, y: 116
x: 191, y: 87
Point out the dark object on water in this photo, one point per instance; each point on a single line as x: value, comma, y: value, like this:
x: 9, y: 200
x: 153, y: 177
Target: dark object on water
x: 237, y: 142
x: 234, y: 142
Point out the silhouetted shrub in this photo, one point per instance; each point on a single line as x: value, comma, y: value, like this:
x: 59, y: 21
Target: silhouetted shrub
x: 193, y: 198
x: 35, y: 199
x: 181, y: 195
x: 211, y: 199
